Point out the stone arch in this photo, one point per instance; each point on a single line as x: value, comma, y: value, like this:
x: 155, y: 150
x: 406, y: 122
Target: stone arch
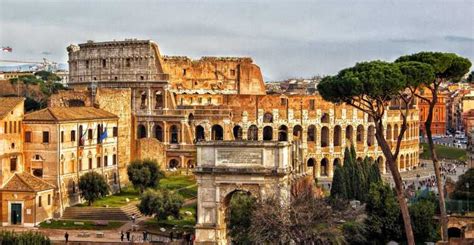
x: 158, y: 100
x: 324, y: 167
x: 380, y: 164
x: 141, y: 131
x: 174, y: 134
x: 267, y: 133
x: 337, y: 136
x: 158, y: 132
x: 360, y: 134
x: 395, y: 132
x: 200, y: 133
x: 310, y: 162
x: 297, y: 132
x: 371, y: 135
x: 388, y: 132
x: 190, y: 119
x: 324, y: 136
x: 217, y: 132
x: 454, y: 232
x: 143, y: 99
x: 174, y: 163
x: 237, y: 131
x: 402, y: 162
x: 268, y: 117
x: 283, y: 133
x: 325, y: 118
x: 252, y: 133
x: 311, y: 133
x: 349, y: 132
x: 337, y: 162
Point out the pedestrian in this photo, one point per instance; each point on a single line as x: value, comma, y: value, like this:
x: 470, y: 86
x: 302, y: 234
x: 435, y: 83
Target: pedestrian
x: 121, y: 236
x: 144, y: 235
x: 171, y: 236
x: 128, y: 235
x: 133, y: 218
x: 66, y: 237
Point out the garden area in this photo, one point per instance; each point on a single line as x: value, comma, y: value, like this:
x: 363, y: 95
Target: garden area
x: 444, y: 152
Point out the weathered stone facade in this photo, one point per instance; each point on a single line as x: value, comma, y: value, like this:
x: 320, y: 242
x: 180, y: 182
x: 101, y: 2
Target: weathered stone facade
x: 179, y: 101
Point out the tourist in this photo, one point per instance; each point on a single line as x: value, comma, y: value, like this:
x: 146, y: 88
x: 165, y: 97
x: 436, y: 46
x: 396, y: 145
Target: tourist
x: 121, y: 236
x: 171, y: 236
x: 128, y: 235
x: 144, y: 235
x: 66, y: 237
x: 133, y: 218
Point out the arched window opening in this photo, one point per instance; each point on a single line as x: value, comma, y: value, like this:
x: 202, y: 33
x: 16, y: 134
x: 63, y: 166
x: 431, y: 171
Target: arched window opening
x: 217, y: 133
x: 312, y: 133
x: 237, y: 132
x: 282, y: 133
x: 360, y: 134
x: 388, y: 133
x: 174, y: 133
x: 200, y: 133
x: 395, y: 132
x: 158, y: 100
x: 337, y: 163
x: 371, y: 136
x: 310, y: 162
x: 252, y: 133
x: 325, y: 118
x: 173, y: 164
x: 267, y: 133
x: 81, y: 136
x: 380, y: 164
x: 349, y: 133
x: 297, y: 133
x: 337, y: 136
x: 325, y: 137
x: 268, y: 117
x: 141, y: 131
x: 143, y: 100
x: 159, y: 133
x: 324, y: 167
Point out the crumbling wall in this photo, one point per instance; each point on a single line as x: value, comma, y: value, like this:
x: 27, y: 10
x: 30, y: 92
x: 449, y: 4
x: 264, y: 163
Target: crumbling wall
x: 151, y: 148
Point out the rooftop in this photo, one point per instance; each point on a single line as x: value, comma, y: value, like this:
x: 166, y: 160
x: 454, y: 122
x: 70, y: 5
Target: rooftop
x: 7, y: 104
x: 26, y: 182
x: 57, y: 114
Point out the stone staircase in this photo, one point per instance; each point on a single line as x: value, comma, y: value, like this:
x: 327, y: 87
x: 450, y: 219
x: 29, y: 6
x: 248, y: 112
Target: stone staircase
x: 98, y: 213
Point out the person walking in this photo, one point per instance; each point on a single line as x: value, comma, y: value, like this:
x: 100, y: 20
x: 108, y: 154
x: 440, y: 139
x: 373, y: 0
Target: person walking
x: 66, y: 237
x: 133, y: 218
x: 121, y: 236
x: 128, y: 235
x: 145, y: 234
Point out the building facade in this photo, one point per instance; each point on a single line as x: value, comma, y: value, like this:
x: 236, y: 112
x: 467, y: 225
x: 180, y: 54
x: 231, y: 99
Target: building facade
x: 176, y: 102
x: 438, y: 126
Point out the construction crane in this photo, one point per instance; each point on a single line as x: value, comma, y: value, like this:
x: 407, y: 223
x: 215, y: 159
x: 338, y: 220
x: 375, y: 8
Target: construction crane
x: 42, y: 65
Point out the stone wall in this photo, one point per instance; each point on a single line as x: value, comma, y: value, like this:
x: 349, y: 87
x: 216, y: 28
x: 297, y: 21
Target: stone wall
x: 150, y: 148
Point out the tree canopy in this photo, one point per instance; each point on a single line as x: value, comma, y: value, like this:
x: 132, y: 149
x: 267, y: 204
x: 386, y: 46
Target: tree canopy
x: 144, y: 174
x: 93, y: 186
x: 161, y: 203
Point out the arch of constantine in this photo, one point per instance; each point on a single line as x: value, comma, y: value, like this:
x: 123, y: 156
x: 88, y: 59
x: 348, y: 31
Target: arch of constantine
x: 259, y: 168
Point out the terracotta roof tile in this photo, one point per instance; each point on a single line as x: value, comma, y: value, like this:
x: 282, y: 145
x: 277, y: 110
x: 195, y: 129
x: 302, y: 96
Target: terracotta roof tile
x: 57, y: 114
x: 26, y: 182
x: 7, y: 104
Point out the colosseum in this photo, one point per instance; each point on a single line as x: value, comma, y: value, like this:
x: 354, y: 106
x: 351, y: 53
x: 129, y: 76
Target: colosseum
x: 168, y: 103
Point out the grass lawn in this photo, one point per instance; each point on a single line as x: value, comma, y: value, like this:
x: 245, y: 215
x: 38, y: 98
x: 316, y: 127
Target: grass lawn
x: 444, y: 152
x: 185, y: 223
x: 173, y: 182
x: 115, y: 200
x: 88, y: 225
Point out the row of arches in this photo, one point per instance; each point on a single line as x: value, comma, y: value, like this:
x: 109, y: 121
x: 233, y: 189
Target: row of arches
x: 325, y: 168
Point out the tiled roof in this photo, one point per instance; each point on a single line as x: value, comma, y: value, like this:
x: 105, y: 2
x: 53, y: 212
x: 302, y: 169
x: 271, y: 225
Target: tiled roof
x: 57, y: 114
x: 26, y: 182
x: 7, y: 104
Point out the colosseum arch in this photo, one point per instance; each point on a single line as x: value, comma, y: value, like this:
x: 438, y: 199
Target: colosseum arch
x: 349, y: 133
x: 371, y: 135
x: 283, y: 133
x: 200, y: 133
x: 267, y: 133
x: 324, y: 167
x: 252, y: 133
x: 337, y: 162
x: 360, y: 134
x: 337, y: 136
x: 325, y: 118
x: 297, y: 132
x: 158, y: 132
x: 217, y: 132
x: 402, y: 162
x: 141, y: 131
x: 388, y: 134
x: 237, y: 132
x: 174, y: 134
x: 395, y: 132
x: 174, y: 163
x: 311, y: 133
x: 324, y: 136
x: 381, y: 165
x: 268, y: 117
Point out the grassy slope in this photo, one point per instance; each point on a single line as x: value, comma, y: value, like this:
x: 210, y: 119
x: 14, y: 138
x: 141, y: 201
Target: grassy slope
x: 88, y: 225
x: 444, y: 152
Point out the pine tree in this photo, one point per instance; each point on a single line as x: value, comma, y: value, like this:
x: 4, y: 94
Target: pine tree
x: 338, y: 189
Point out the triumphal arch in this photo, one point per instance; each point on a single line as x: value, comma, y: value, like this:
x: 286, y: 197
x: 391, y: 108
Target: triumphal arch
x: 260, y: 168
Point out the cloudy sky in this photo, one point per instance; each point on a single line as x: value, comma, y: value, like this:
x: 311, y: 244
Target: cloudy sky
x: 285, y: 38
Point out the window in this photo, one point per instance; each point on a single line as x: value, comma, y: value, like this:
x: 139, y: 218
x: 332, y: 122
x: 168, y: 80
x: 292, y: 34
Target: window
x: 89, y: 134
x: 19, y: 127
x: 200, y: 100
x: 311, y: 104
x: 62, y: 136
x: 98, y: 162
x: 90, y: 163
x: 13, y: 164
x: 45, y: 137
x: 87, y: 64
x: 115, y: 131
x: 128, y: 62
x: 232, y: 72
x: 49, y: 199
x: 184, y: 72
x: 104, y: 63
x: 28, y: 136
x: 73, y: 187
x: 142, y: 78
x: 106, y: 161
x: 283, y: 101
x: 73, y: 135
x: 209, y: 100
x: 14, y: 127
x: 5, y: 125
x: 114, y: 159
x: 11, y: 128
x: 40, y: 202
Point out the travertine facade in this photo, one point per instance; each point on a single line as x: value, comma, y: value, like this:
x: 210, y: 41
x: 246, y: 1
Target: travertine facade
x: 179, y: 101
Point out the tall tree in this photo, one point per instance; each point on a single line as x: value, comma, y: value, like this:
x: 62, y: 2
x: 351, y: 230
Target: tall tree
x: 93, y: 186
x: 144, y: 174
x: 338, y: 189
x: 370, y: 87
x: 446, y: 67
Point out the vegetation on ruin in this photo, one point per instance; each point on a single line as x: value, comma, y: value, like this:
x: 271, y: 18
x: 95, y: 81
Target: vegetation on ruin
x: 444, y: 152
x: 87, y: 225
x: 444, y: 67
x: 352, y: 180
x: 144, y: 174
x: 93, y: 186
x: 27, y: 237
